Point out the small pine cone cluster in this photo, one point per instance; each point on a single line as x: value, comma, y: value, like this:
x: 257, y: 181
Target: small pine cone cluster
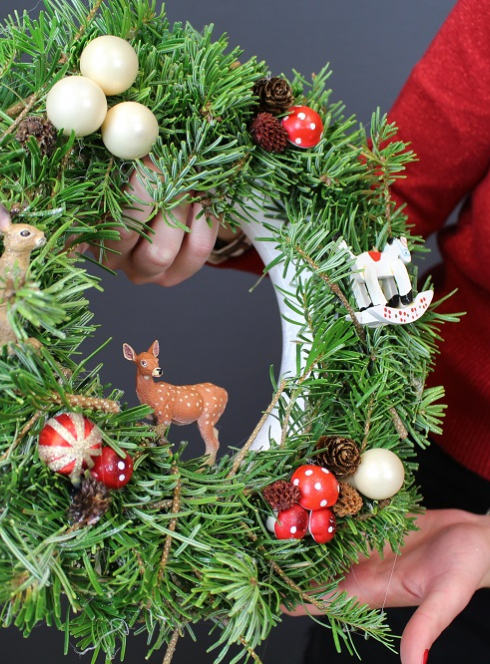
x: 281, y: 495
x: 275, y: 95
x: 268, y: 133
x: 42, y: 130
x: 341, y: 455
x: 89, y: 504
x: 349, y: 502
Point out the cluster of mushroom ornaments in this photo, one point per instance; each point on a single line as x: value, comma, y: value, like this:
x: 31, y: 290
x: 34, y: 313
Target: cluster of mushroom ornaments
x: 108, y: 66
x: 379, y: 476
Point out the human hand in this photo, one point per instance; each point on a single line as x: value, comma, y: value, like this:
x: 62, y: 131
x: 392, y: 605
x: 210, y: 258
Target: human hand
x: 173, y: 254
x: 439, y: 569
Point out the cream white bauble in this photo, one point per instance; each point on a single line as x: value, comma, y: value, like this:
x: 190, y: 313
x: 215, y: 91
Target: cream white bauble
x: 129, y: 131
x: 111, y: 62
x: 76, y: 104
x: 380, y: 474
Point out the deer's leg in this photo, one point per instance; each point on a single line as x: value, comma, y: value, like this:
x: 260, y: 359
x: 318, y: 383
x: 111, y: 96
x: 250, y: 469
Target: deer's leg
x: 210, y: 436
x: 161, y: 432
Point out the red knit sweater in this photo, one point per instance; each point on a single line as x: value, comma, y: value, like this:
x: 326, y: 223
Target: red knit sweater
x: 444, y: 112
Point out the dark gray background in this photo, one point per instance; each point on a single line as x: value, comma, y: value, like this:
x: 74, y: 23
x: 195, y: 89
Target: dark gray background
x: 212, y: 328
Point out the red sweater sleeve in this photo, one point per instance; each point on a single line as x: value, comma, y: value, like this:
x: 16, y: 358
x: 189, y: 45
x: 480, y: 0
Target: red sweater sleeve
x: 443, y: 111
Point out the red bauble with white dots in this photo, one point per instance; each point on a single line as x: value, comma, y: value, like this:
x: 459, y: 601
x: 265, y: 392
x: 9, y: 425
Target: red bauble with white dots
x: 304, y: 126
x: 322, y: 525
x: 290, y: 524
x: 69, y: 443
x: 111, y: 469
x: 318, y: 486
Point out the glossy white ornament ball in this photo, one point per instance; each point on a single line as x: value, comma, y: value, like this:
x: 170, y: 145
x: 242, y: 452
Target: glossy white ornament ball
x: 380, y: 474
x: 111, y: 62
x: 130, y: 130
x: 76, y: 104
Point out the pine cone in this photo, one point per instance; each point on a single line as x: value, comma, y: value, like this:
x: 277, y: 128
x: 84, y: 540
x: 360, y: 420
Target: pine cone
x: 275, y: 95
x: 342, y: 455
x: 281, y: 495
x: 42, y: 130
x: 268, y: 133
x: 349, y: 501
x: 89, y: 503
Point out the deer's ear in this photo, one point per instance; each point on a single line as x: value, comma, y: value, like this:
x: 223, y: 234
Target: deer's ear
x: 155, y: 348
x: 129, y: 353
x: 5, y: 221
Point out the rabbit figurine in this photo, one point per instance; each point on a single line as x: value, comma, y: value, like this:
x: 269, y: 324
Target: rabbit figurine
x: 19, y: 240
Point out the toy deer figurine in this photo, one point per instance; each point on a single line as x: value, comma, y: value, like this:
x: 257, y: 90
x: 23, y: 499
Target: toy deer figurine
x: 203, y: 403
x: 19, y: 240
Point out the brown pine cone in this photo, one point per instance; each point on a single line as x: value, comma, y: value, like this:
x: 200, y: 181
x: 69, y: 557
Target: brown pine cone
x: 89, y: 503
x: 342, y: 455
x: 349, y: 501
x: 42, y: 130
x: 268, y: 133
x: 275, y: 95
x: 281, y: 495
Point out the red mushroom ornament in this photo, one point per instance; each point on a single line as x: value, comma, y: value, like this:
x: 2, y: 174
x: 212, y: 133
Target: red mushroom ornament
x: 304, y: 126
x: 318, y: 486
x: 290, y: 524
x: 322, y: 525
x: 111, y: 469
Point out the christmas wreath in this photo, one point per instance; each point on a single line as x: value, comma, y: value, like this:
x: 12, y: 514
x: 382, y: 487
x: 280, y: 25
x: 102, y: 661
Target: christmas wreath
x: 96, y: 505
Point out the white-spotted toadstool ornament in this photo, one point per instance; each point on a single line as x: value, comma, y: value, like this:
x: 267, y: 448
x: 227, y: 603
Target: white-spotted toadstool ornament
x: 112, y: 470
x: 380, y: 474
x: 304, y: 126
x: 322, y: 525
x: 111, y: 62
x: 76, y: 104
x: 68, y: 443
x: 318, y: 486
x: 289, y: 524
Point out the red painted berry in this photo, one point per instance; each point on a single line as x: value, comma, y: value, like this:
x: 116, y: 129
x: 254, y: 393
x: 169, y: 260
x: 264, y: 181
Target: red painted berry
x: 111, y: 469
x: 304, y: 126
x: 322, y: 525
x: 318, y: 486
x: 291, y: 523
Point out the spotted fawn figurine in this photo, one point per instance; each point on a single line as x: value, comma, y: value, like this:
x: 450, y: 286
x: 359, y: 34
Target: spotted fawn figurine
x: 203, y: 403
x: 18, y: 240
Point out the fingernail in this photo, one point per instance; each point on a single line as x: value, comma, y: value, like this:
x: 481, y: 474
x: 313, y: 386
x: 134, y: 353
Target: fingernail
x: 426, y: 656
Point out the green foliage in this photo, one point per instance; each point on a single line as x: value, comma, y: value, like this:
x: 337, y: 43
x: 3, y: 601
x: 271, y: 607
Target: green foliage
x: 222, y: 564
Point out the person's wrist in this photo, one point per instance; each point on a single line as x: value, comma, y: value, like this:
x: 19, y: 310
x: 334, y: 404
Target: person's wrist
x: 229, y: 244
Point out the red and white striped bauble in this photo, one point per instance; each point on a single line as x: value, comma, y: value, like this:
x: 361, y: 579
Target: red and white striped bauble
x: 68, y: 442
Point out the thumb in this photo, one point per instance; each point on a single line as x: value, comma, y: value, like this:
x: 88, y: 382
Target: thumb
x: 435, y: 613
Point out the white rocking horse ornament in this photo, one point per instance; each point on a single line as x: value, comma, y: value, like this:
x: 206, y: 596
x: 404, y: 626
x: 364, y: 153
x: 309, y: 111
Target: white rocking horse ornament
x: 382, y: 287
